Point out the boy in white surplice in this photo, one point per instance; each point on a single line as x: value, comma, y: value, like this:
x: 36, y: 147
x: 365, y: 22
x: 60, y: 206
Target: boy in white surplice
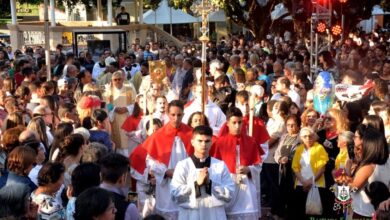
x: 201, y: 185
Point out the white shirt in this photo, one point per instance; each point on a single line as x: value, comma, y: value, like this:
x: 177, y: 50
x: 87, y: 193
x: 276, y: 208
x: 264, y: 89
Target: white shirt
x: 97, y: 70
x: 306, y: 171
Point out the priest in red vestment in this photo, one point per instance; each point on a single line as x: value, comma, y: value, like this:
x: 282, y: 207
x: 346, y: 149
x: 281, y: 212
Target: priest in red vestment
x: 165, y: 148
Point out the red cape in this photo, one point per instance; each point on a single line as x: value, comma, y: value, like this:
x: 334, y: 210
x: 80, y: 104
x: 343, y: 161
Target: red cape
x: 225, y: 147
x: 131, y: 123
x: 159, y: 145
x: 260, y: 133
x: 137, y: 159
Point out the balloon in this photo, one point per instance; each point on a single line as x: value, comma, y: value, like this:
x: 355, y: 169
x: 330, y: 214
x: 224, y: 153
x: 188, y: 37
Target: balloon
x: 323, y: 92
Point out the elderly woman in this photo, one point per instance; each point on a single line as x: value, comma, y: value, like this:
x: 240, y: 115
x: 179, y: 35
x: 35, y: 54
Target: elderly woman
x: 308, y: 165
x: 283, y: 156
x: 345, y: 140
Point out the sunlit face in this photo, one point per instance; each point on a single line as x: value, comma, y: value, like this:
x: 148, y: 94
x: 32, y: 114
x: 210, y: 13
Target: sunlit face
x: 161, y: 105
x: 175, y: 115
x: 197, y: 120
x: 307, y: 138
x: 201, y: 144
x: 358, y: 141
x: 117, y: 81
x: 234, y: 124
x: 311, y: 118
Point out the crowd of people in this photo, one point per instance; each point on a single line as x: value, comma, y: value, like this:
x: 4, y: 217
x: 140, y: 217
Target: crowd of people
x: 108, y: 140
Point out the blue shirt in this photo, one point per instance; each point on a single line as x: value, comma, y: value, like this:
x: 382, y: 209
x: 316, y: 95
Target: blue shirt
x: 10, y: 178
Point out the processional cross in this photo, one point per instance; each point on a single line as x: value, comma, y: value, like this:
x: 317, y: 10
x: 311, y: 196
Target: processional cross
x: 203, y: 8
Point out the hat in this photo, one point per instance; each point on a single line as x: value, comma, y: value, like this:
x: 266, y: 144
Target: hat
x: 84, y: 132
x: 257, y: 90
x: 90, y: 101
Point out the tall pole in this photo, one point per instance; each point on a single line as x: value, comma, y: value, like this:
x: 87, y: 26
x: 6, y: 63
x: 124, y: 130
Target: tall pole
x: 109, y: 12
x: 47, y: 40
x: 13, y: 11
x: 170, y: 19
x: 141, y: 11
x: 99, y: 10
x: 204, y: 8
x: 52, y: 13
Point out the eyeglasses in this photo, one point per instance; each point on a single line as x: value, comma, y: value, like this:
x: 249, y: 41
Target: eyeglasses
x: 306, y: 136
x: 117, y: 79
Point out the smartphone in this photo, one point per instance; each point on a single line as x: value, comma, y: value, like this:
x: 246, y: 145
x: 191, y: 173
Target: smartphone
x: 351, y: 153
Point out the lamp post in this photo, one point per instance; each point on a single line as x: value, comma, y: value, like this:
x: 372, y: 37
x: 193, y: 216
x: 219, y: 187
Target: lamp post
x: 342, y: 19
x: 47, y: 41
x: 203, y: 8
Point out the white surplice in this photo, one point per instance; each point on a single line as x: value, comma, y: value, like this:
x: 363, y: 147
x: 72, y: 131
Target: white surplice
x: 244, y: 204
x: 213, y: 112
x: 142, y: 186
x: 164, y: 204
x: 206, y: 206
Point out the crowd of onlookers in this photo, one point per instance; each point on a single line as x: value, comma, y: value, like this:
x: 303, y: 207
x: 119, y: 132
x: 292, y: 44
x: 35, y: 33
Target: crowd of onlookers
x: 66, y: 142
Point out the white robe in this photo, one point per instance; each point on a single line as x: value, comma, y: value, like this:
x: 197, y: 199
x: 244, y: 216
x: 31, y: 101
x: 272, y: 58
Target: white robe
x: 97, y: 70
x: 245, y: 203
x: 210, y: 207
x: 214, y: 114
x: 142, y: 186
x: 164, y: 205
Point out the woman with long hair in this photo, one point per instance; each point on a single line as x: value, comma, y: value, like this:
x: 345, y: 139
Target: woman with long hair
x: 12, y: 120
x: 37, y: 124
x: 70, y: 153
x: 374, y: 152
x: 63, y: 130
x: 335, y: 122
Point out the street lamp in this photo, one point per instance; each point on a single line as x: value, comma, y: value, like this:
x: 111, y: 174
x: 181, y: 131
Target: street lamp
x: 203, y: 8
x: 342, y: 18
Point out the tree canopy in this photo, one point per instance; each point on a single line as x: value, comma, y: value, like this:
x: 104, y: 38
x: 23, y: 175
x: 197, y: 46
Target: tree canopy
x: 255, y: 14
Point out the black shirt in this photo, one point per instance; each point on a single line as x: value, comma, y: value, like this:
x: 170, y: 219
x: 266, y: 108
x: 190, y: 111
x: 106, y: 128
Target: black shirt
x: 123, y: 18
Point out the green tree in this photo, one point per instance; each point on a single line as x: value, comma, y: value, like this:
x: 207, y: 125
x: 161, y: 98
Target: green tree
x: 255, y: 14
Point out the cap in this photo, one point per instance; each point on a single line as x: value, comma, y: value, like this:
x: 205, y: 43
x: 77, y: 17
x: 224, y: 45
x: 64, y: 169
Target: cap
x: 257, y: 90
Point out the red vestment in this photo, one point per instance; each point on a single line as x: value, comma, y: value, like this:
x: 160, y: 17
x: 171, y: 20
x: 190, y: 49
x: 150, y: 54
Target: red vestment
x: 260, y: 132
x: 159, y: 145
x: 225, y: 149
x: 131, y: 123
x: 137, y: 159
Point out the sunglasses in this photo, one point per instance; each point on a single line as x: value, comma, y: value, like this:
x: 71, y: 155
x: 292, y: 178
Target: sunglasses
x: 117, y: 79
